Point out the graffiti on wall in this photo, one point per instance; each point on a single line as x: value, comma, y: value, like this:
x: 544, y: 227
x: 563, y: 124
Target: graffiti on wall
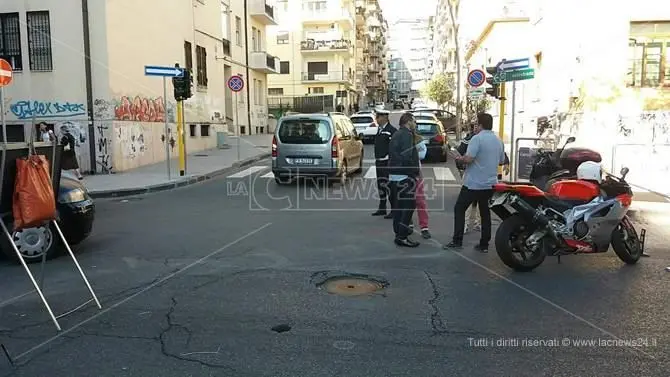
x: 136, y: 109
x: 171, y: 140
x: 25, y: 109
x: 131, y: 140
x: 103, y: 147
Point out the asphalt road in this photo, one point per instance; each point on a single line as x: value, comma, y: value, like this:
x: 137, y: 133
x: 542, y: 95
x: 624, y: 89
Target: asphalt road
x: 193, y: 281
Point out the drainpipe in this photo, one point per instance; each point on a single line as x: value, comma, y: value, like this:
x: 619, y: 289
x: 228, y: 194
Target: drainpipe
x: 246, y: 54
x: 89, y: 84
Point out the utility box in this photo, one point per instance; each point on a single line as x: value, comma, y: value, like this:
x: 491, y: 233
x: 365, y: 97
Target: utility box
x: 221, y: 140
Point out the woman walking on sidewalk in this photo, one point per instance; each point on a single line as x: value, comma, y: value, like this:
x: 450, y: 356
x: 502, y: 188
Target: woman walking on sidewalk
x: 421, y: 210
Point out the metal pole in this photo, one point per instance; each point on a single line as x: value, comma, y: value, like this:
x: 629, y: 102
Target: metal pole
x: 180, y: 140
x: 167, y: 131
x: 501, y: 127
x: 2, y: 115
x: 237, y: 119
x: 511, y: 152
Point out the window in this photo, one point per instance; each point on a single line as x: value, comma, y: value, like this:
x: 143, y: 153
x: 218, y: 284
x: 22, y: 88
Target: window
x: 192, y: 130
x: 238, y: 31
x: 10, y: 39
x: 282, y: 38
x: 284, y: 68
x: 255, y: 92
x: 257, y: 39
x: 260, y: 92
x: 201, y: 62
x: 254, y: 40
x: 304, y: 131
x: 649, y: 54
x: 39, y: 41
x: 204, y: 130
x: 225, y: 21
x: 188, y: 56
x: 276, y: 91
x: 316, y: 90
x: 315, y: 5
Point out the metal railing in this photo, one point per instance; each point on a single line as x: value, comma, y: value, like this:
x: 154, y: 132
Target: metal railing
x: 326, y: 77
x: 314, y: 45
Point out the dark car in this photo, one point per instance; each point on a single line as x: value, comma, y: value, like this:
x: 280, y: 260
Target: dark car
x: 76, y: 212
x: 435, y: 138
x: 447, y: 119
x: 398, y: 105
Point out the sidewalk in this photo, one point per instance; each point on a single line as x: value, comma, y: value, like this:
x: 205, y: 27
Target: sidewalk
x: 200, y: 166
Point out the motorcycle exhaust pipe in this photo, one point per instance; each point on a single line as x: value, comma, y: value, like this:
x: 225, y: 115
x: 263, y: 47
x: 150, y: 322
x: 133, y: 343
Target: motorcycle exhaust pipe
x: 525, y: 209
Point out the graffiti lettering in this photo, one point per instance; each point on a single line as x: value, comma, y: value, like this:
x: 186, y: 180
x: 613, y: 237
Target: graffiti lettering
x: 103, y: 142
x: 140, y: 109
x: 41, y: 109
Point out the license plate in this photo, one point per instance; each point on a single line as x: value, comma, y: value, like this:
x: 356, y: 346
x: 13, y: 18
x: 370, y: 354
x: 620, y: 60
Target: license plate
x: 499, y: 199
x: 303, y: 161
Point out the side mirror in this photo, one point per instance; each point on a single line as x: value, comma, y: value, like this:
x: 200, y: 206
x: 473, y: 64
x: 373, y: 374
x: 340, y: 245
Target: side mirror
x: 624, y: 172
x: 571, y: 139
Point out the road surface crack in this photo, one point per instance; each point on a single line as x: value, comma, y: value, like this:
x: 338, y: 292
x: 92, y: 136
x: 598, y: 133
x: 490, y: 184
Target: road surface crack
x: 436, y: 321
x: 172, y: 326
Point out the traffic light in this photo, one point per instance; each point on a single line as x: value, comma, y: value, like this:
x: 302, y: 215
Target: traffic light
x: 494, y: 90
x: 183, y: 86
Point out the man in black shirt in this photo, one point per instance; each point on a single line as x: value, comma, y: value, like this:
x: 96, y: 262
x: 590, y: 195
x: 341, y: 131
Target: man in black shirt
x: 404, y: 171
x: 384, y: 133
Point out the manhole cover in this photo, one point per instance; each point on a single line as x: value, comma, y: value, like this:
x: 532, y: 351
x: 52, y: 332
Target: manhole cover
x: 344, y: 284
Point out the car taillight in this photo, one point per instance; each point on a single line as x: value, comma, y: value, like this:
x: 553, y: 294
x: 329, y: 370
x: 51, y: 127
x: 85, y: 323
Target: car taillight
x: 439, y: 138
x: 334, y: 152
x: 274, y: 146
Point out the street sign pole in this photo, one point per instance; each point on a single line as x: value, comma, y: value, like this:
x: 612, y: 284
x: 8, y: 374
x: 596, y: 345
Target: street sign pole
x: 511, y: 150
x: 2, y: 119
x: 167, y: 130
x: 501, y: 127
x: 237, y: 120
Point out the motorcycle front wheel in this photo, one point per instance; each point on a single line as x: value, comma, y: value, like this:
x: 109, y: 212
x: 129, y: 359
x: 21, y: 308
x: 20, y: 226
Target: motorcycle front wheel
x: 510, y: 241
x: 626, y: 243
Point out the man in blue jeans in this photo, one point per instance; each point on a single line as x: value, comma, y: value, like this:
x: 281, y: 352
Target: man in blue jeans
x: 484, y: 154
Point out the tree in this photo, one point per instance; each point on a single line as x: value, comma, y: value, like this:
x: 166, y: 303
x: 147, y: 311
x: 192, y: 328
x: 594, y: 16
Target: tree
x: 453, y: 10
x: 475, y: 106
x: 441, y: 89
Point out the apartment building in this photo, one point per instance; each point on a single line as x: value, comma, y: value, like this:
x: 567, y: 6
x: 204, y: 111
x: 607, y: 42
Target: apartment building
x: 115, y: 111
x: 315, y: 42
x: 410, y: 41
x: 443, y: 56
x: 372, y: 75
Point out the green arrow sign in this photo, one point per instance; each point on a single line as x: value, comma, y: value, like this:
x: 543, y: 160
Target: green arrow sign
x: 517, y: 75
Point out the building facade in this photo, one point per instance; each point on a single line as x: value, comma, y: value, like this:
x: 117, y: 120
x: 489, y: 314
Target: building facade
x: 315, y: 42
x: 116, y: 112
x: 372, y: 51
x: 443, y: 56
x: 410, y: 41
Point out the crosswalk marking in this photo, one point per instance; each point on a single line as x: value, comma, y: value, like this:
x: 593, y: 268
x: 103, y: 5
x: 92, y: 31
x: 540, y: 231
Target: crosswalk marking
x: 443, y: 174
x: 248, y: 171
x: 371, y: 173
x: 268, y: 175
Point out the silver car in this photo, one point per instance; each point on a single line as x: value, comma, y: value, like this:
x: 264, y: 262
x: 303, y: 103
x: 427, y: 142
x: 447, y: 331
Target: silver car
x: 316, y: 145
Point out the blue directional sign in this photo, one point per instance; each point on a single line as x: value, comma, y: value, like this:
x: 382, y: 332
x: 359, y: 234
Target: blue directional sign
x: 508, y: 65
x: 153, y: 70
x: 476, y: 78
x: 236, y: 83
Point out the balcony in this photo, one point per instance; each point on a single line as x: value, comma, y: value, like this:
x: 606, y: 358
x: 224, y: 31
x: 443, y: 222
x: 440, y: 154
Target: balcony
x: 328, y: 16
x: 374, y: 68
x: 311, y: 46
x: 260, y: 11
x: 330, y: 77
x: 264, y: 62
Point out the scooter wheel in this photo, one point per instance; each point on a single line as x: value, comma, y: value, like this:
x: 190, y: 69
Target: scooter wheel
x: 510, y: 243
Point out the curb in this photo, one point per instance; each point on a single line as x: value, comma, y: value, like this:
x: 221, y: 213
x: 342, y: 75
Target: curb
x: 181, y: 183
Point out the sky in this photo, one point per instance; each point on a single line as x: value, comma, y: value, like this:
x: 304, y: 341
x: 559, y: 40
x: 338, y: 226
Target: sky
x: 397, y: 9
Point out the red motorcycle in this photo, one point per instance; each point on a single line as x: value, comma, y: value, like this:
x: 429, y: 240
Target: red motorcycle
x: 552, y: 166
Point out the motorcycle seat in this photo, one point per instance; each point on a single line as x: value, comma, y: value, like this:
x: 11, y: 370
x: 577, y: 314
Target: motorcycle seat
x: 560, y: 173
x: 562, y: 205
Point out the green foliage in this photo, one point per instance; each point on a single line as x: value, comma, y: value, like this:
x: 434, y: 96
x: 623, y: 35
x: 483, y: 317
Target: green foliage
x: 441, y: 89
x: 475, y: 106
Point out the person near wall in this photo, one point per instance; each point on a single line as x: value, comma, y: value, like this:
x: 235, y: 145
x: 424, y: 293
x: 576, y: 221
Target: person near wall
x: 404, y: 172
x: 69, y: 157
x: 384, y: 132
x: 485, y: 152
x: 46, y: 135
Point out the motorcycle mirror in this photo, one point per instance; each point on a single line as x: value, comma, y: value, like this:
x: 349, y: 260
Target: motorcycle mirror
x: 624, y: 172
x: 571, y: 139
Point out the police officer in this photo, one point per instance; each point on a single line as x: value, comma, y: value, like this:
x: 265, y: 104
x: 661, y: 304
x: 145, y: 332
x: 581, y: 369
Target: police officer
x: 384, y: 133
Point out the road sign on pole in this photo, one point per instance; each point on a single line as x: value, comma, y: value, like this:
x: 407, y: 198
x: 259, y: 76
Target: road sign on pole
x: 236, y: 83
x: 516, y: 75
x: 476, y: 78
x: 153, y: 70
x: 6, y: 73
x: 506, y: 65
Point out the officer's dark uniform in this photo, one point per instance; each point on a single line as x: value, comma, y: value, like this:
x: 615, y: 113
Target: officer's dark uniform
x: 381, y: 166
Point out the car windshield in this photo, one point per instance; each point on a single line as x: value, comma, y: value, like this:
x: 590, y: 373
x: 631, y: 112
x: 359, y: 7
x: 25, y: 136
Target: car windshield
x: 424, y: 117
x: 360, y: 120
x: 304, y: 131
x: 426, y: 128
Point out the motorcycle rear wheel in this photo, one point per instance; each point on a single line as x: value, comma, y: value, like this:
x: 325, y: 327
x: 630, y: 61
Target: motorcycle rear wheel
x: 510, y: 241
x: 626, y: 243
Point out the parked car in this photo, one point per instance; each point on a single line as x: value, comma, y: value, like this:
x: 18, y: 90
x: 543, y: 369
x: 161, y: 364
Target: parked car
x: 436, y: 139
x: 447, y: 119
x: 316, y: 145
x: 366, y: 126
x: 424, y: 116
x: 398, y: 105
x: 76, y: 211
